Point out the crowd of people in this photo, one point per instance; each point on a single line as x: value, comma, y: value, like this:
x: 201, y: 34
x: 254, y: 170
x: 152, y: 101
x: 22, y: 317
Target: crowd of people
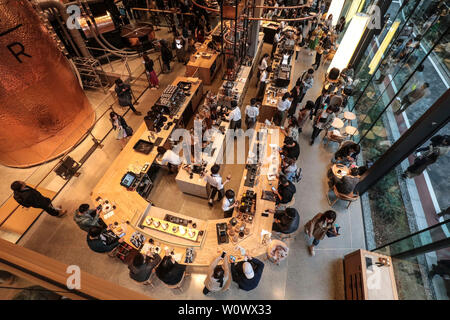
x: 315, y: 34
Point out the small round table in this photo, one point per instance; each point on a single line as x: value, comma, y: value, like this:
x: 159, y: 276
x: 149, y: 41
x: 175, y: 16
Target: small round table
x: 340, y: 170
x: 351, y: 131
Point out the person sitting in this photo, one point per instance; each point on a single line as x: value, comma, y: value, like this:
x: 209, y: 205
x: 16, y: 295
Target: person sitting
x: 218, y: 278
x: 87, y: 218
x: 169, y: 271
x: 169, y: 158
x: 101, y: 241
x: 247, y: 273
x: 229, y: 203
x: 285, y: 221
x: 347, y: 153
x: 291, y: 148
x: 142, y: 266
x: 277, y: 251
x: 285, y: 191
x: 289, y: 168
x: 346, y: 185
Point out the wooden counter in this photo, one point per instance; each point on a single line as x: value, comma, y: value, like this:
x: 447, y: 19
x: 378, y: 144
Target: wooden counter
x: 131, y: 208
x: 207, y: 67
x: 364, y: 280
x: 270, y: 102
x: 197, y: 185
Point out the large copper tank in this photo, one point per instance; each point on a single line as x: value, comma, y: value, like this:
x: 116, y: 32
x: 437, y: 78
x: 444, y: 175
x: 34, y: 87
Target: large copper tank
x: 43, y: 110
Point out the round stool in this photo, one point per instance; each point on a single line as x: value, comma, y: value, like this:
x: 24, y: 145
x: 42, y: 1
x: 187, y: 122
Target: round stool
x: 349, y: 116
x: 351, y: 131
x: 337, y: 123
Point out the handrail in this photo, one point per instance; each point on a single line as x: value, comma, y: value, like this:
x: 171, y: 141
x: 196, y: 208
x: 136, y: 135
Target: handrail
x: 53, y: 275
x: 412, y: 234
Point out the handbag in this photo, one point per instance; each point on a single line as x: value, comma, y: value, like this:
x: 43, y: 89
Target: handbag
x: 129, y: 131
x: 331, y: 234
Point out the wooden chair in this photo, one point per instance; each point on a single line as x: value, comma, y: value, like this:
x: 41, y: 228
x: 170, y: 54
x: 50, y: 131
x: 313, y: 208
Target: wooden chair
x: 284, y: 236
x: 179, y: 285
x: 340, y: 196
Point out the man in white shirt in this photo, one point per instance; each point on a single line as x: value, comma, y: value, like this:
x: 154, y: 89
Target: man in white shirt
x: 264, y: 78
x: 169, y: 158
x: 229, y: 203
x: 283, y: 105
x: 251, y: 113
x: 215, y: 181
x: 235, y: 116
x: 276, y: 40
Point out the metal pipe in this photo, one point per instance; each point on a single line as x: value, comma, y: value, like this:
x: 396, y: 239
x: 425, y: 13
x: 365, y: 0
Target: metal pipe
x: 76, y: 36
x: 64, y: 30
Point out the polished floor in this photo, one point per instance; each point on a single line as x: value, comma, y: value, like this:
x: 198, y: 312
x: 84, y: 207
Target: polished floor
x: 300, y: 276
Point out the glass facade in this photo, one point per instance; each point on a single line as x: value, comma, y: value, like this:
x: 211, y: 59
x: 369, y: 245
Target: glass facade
x: 391, y: 92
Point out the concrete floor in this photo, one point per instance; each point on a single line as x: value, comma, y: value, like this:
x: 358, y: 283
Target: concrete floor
x: 298, y: 277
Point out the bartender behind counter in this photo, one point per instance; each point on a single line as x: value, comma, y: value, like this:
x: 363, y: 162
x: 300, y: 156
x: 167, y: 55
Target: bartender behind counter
x: 169, y: 158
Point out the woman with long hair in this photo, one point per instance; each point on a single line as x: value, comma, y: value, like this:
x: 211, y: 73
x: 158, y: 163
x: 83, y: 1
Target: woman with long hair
x: 150, y: 72
x: 323, y: 224
x: 123, y: 130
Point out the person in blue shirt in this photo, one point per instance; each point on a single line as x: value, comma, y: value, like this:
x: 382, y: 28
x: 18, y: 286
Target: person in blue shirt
x: 247, y: 274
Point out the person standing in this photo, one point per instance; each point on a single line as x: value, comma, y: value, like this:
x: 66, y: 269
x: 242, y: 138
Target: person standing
x: 319, y: 226
x: 166, y: 55
x: 123, y: 92
x: 218, y: 278
x: 295, y: 94
x: 276, y: 40
x: 412, y: 97
x: 322, y: 121
x: 229, y: 203
x: 215, y: 181
x: 263, y: 79
x: 251, y: 114
x: 263, y: 65
x: 306, y: 82
x: 169, y: 158
x: 320, y: 102
x: 180, y: 49
x: 123, y: 130
x: 319, y: 52
x: 440, y: 145
x: 282, y: 108
x: 235, y: 116
x: 28, y: 197
x: 150, y: 72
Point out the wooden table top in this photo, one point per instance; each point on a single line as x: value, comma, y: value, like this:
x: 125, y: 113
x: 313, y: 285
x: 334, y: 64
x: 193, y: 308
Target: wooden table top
x: 219, y: 140
x: 130, y: 206
x: 202, y: 62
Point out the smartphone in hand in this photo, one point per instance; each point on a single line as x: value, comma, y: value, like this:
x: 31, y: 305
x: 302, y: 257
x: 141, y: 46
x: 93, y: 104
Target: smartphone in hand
x: 223, y: 254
